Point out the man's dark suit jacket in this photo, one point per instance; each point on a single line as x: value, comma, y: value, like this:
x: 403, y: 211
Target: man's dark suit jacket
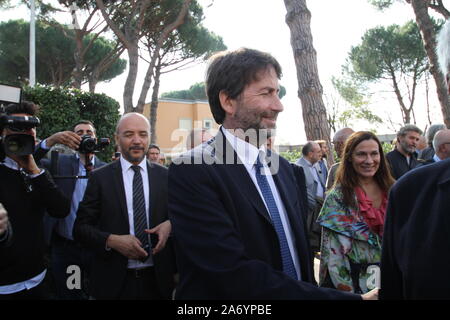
x: 415, y: 263
x: 103, y: 211
x: 68, y: 166
x: 399, y: 165
x: 226, y: 244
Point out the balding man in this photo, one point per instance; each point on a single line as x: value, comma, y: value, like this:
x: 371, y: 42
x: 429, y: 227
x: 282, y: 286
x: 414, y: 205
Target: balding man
x: 315, y: 187
x: 123, y: 217
x: 338, y: 141
x: 441, y: 145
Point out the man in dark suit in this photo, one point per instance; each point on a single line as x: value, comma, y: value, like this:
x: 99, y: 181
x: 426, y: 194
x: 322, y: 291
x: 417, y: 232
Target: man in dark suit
x: 234, y: 205
x: 65, y: 251
x: 414, y: 262
x: 125, y: 202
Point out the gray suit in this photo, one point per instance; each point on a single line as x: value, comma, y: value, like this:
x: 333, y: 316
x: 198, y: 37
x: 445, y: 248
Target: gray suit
x: 311, y: 183
x: 314, y: 204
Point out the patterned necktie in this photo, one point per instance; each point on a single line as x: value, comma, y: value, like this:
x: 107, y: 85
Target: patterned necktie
x: 139, y: 215
x: 288, y: 264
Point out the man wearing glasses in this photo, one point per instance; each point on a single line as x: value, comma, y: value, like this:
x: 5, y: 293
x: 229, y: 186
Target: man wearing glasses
x: 26, y: 193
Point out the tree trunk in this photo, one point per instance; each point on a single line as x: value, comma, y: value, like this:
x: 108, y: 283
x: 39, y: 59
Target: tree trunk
x: 154, y: 56
x: 298, y: 18
x: 427, y: 31
x: 79, y: 61
x: 154, y: 105
x: 133, y: 60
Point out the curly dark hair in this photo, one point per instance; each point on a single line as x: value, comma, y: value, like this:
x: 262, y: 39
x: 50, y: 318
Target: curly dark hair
x: 231, y: 72
x: 346, y: 175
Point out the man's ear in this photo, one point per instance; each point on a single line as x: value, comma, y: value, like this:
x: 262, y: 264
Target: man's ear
x: 228, y: 104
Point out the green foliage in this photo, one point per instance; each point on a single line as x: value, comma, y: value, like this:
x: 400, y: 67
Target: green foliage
x: 291, y: 156
x: 381, y: 4
x: 354, y: 95
x: 198, y: 92
x: 61, y: 108
x: 387, y: 147
x: 386, y: 50
x: 54, y: 54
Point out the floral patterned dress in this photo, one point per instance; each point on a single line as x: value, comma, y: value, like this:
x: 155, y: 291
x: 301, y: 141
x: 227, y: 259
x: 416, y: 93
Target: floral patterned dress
x: 348, y: 245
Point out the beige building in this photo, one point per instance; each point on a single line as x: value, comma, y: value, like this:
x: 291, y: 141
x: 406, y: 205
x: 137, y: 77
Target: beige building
x: 176, y: 118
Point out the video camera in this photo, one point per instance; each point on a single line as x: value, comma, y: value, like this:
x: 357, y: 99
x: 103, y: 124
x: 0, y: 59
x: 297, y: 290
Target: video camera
x: 89, y: 144
x: 15, y: 144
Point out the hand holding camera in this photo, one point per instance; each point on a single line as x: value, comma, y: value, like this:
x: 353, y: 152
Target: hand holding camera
x: 3, y: 220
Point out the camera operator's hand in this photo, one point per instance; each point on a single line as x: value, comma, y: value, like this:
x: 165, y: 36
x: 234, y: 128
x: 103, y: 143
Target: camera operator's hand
x: 3, y: 220
x: 27, y: 163
x: 68, y: 138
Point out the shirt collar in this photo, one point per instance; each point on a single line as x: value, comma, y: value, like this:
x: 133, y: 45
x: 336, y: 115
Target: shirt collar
x: 77, y: 154
x: 126, y: 165
x: 10, y: 163
x: 308, y: 163
x: 246, y: 152
x: 436, y: 158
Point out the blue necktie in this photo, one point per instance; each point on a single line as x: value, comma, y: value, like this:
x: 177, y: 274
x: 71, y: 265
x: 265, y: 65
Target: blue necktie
x: 288, y: 264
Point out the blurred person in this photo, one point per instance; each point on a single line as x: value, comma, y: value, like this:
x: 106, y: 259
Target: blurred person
x: 322, y: 164
x: 64, y: 250
x: 315, y: 187
x: 238, y: 227
x: 414, y: 259
x: 116, y: 154
x: 124, y: 218
x: 197, y: 137
x: 339, y: 139
x: 162, y: 159
x: 421, y: 145
x: 352, y: 215
x: 26, y: 192
x: 404, y: 158
x: 5, y: 228
x: 154, y: 153
x: 429, y: 151
x: 441, y: 145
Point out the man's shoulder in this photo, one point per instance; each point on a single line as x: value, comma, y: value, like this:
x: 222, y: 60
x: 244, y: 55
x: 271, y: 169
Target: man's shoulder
x: 423, y: 176
x: 106, y: 168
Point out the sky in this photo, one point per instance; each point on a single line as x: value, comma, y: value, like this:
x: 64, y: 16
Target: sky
x: 260, y: 24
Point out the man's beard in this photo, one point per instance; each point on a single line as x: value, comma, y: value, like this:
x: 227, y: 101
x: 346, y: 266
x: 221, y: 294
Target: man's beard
x: 406, y: 148
x: 251, y: 124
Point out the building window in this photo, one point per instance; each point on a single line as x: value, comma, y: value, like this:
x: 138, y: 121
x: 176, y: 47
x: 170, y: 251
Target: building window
x: 185, y: 124
x: 207, y: 124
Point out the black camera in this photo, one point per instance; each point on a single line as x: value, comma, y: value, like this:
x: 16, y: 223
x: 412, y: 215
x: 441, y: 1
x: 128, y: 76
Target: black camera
x: 18, y: 144
x: 89, y: 144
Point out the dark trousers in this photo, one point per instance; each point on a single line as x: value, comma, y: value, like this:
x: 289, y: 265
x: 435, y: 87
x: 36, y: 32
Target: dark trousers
x: 40, y: 292
x: 65, y: 253
x: 140, y: 285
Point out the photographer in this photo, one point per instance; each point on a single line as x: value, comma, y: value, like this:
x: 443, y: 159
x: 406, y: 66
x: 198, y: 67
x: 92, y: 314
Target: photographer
x: 71, y: 176
x: 26, y: 193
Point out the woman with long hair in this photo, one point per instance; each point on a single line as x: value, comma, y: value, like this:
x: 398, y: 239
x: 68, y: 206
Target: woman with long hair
x: 352, y: 216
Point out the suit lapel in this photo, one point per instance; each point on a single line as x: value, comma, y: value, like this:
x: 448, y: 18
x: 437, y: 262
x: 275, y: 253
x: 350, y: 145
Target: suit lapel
x: 239, y: 173
x: 153, y: 190
x: 119, y: 187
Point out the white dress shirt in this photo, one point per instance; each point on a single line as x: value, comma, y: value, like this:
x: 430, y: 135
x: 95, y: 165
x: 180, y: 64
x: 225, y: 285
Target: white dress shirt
x: 248, y: 154
x: 128, y: 175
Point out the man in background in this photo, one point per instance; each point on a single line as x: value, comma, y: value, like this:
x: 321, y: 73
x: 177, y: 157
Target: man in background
x: 339, y: 139
x: 404, y: 158
x: 65, y: 251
